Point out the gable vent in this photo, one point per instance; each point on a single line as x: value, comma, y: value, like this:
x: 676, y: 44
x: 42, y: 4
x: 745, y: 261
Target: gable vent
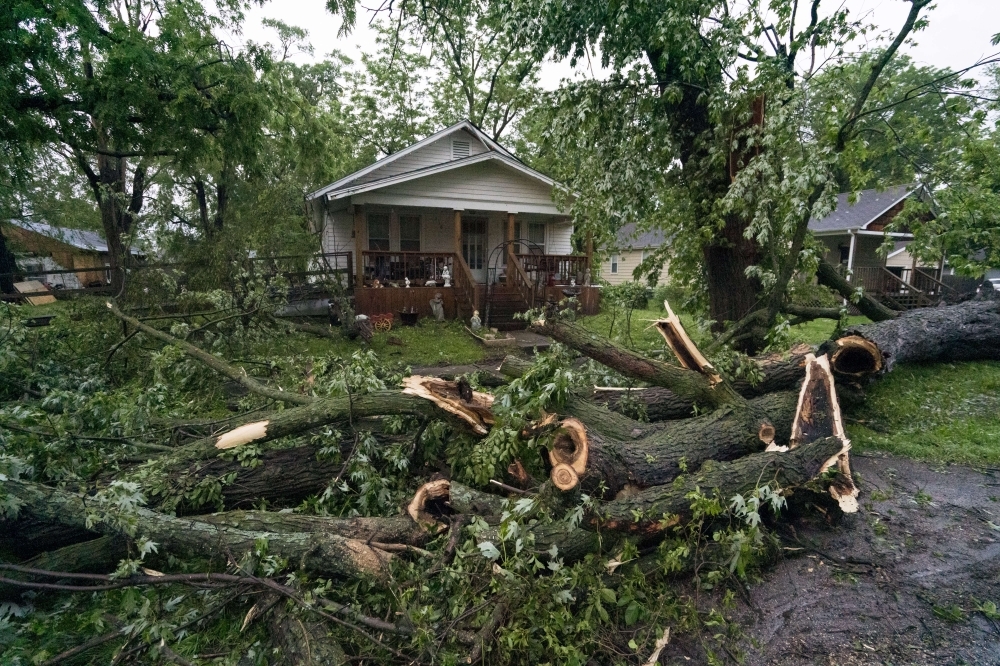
x: 459, y: 149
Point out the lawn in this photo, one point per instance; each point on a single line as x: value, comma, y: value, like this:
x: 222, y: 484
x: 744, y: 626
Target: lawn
x: 945, y: 412
x: 645, y: 338
x: 428, y: 343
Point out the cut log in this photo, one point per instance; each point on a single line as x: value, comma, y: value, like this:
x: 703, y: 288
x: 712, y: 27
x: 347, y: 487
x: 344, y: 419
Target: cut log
x: 968, y: 331
x: 322, y: 554
x: 663, y: 451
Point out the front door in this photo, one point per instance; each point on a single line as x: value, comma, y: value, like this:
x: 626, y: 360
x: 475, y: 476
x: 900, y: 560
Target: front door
x: 474, y: 246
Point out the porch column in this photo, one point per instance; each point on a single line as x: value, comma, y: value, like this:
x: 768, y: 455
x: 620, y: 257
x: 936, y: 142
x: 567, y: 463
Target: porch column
x: 458, y: 232
x: 511, y: 258
x: 589, y: 249
x: 359, y: 244
x: 850, y: 255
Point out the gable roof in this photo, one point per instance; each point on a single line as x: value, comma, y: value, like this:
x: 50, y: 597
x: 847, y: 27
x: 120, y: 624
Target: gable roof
x: 78, y: 238
x: 629, y: 238
x: 349, y: 185
x: 870, y: 205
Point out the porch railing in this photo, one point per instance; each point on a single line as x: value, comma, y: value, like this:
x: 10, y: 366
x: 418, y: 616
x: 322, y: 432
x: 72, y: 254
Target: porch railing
x: 883, y: 282
x: 562, y: 267
x: 526, y: 287
x: 419, y: 267
x: 464, y: 283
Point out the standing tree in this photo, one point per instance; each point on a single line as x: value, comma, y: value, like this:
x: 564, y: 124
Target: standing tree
x: 118, y: 87
x: 699, y: 130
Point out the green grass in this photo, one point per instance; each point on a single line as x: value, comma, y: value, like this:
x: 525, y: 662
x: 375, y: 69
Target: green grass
x: 942, y: 412
x: 643, y: 336
x: 427, y: 343
x: 646, y: 338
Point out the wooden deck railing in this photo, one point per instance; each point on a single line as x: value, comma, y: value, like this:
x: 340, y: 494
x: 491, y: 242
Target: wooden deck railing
x: 562, y: 267
x: 883, y: 282
x: 524, y: 285
x: 419, y: 267
x: 464, y: 283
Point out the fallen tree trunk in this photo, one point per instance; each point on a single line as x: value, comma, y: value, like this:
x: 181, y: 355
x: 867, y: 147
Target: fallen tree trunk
x: 665, y: 451
x: 969, y: 331
x: 650, y: 512
x: 318, y: 552
x: 662, y: 506
x: 703, y: 389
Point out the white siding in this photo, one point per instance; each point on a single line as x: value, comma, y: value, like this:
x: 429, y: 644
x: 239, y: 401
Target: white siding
x: 436, y: 152
x: 337, y: 232
x: 627, y: 261
x: 559, y: 238
x: 490, y: 185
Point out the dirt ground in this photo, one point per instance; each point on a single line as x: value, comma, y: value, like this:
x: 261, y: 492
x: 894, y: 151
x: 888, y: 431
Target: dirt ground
x: 897, y: 583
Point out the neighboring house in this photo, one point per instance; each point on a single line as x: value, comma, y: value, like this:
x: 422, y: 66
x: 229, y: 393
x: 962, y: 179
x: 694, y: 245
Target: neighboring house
x: 853, y: 234
x: 41, y: 248
x: 455, y: 200
x: 631, y: 249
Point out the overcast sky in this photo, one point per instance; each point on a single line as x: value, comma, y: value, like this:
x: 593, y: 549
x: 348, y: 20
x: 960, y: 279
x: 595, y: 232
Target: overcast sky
x: 958, y: 35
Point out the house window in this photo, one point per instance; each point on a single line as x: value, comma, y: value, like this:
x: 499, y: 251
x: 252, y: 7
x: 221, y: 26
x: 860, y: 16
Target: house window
x: 409, y: 233
x: 845, y: 253
x: 614, y: 264
x: 645, y: 254
x: 378, y: 231
x: 474, y: 242
x: 459, y: 149
x: 536, y: 234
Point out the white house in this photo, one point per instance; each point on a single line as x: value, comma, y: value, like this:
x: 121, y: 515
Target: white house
x: 456, y: 200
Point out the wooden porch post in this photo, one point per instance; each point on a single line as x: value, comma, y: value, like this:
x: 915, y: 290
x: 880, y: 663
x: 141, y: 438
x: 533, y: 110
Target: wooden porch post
x: 511, y: 258
x: 458, y: 232
x: 850, y: 255
x: 359, y: 228
x: 589, y: 249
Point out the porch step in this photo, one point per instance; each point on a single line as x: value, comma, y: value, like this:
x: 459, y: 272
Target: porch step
x: 504, y: 303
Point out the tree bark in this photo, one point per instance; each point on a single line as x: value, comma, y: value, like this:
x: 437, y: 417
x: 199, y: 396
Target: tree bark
x: 320, y: 553
x: 723, y: 479
x: 666, y: 450
x: 868, y: 306
x: 969, y: 331
x: 688, y: 383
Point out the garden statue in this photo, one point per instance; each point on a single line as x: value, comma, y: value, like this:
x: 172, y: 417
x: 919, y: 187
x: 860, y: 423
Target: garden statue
x: 586, y: 277
x: 446, y: 275
x: 572, y: 282
x: 407, y: 280
x: 475, y: 323
x: 437, y: 306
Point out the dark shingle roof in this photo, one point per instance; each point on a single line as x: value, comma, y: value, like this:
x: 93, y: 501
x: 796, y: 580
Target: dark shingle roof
x: 628, y: 237
x: 79, y: 238
x: 869, y: 205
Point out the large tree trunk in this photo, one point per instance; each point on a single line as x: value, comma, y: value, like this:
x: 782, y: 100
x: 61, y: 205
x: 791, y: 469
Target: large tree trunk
x: 965, y: 332
x: 322, y: 552
x: 732, y: 295
x: 663, y: 452
x: 8, y: 266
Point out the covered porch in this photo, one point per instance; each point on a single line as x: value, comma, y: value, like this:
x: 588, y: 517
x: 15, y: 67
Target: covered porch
x: 407, y: 254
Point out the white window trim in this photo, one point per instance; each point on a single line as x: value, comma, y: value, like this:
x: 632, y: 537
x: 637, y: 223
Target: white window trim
x: 614, y: 264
